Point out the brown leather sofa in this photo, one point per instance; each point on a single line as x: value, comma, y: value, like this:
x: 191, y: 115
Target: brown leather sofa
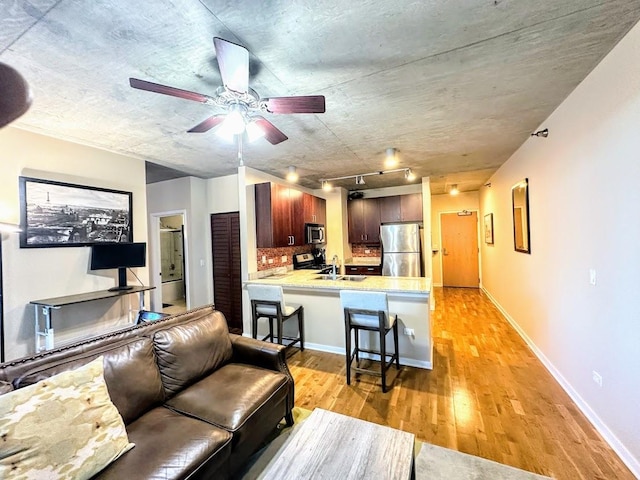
x: 197, y: 401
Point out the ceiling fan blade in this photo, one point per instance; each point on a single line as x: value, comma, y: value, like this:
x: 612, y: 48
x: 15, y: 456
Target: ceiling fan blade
x: 304, y: 104
x: 208, y: 124
x: 233, y: 61
x: 271, y: 133
x: 171, y: 91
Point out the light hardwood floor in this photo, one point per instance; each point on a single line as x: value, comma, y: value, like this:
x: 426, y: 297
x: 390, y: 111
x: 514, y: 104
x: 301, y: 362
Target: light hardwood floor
x: 487, y: 395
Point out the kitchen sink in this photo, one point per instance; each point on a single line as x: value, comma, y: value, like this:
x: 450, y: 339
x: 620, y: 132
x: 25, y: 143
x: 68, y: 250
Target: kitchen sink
x: 329, y: 277
x: 354, y: 278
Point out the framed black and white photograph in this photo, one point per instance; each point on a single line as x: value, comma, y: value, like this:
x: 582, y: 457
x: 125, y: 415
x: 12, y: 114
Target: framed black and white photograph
x: 488, y: 229
x: 56, y: 214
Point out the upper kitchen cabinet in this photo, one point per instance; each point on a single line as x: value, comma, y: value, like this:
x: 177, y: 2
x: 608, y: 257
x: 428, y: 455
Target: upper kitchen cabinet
x: 411, y: 207
x: 401, y: 208
x: 315, y: 209
x: 390, y: 209
x: 364, y: 221
x: 279, y: 216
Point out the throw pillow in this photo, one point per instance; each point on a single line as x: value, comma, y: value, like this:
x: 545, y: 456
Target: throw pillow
x: 5, y: 387
x: 61, y: 427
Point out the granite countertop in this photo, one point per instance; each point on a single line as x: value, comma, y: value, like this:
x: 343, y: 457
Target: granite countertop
x: 364, y: 261
x: 308, y: 279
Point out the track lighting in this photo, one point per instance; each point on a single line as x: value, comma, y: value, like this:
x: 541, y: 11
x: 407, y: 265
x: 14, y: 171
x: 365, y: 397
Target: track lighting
x: 541, y: 133
x: 292, y: 174
x: 326, y: 186
x: 408, y: 174
x: 454, y: 189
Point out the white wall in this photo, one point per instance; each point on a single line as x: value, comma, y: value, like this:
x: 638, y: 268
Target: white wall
x: 38, y: 273
x: 584, y: 195
x: 447, y: 203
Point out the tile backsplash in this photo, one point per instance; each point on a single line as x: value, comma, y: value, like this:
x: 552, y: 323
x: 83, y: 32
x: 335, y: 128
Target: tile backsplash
x: 365, y: 251
x: 273, y: 256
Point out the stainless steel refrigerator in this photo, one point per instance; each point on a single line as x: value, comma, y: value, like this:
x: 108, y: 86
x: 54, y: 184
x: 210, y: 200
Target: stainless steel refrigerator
x: 401, y: 255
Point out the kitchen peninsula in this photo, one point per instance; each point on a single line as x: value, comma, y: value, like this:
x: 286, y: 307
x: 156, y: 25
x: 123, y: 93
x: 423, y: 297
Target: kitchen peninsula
x: 324, y: 320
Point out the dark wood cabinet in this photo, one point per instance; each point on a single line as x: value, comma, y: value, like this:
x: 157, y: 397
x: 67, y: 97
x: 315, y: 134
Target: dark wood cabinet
x: 401, y: 208
x: 363, y: 269
x: 279, y: 216
x: 390, y: 209
x: 366, y: 215
x: 315, y: 209
x: 411, y: 207
x: 364, y: 221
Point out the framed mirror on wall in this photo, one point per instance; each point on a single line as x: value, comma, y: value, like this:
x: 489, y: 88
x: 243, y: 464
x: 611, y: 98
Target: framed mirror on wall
x: 520, y: 206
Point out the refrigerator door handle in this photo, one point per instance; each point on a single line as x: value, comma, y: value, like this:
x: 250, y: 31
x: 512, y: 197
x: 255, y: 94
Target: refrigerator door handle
x: 444, y: 251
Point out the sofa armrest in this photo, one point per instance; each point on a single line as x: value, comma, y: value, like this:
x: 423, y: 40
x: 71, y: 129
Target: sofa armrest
x: 258, y: 353
x: 262, y: 354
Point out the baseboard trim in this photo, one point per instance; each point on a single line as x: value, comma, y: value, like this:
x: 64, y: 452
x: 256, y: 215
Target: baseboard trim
x: 625, y: 455
x: 318, y: 347
x: 409, y: 362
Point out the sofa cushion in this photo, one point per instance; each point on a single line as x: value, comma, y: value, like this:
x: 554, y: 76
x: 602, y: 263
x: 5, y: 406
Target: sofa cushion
x: 248, y: 401
x: 130, y: 371
x: 170, y: 445
x: 62, y: 427
x: 189, y: 351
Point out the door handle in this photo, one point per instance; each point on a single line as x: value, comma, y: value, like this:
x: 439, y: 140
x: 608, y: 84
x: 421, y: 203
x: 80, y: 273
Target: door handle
x: 444, y: 251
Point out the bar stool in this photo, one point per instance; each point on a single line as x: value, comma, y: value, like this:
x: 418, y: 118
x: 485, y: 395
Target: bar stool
x: 267, y: 301
x: 369, y: 311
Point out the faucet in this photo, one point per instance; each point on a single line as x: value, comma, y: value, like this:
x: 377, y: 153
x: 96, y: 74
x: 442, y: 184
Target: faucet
x: 334, y: 262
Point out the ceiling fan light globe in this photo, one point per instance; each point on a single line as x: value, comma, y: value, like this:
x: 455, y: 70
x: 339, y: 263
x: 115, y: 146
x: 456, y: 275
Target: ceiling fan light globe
x: 235, y: 122
x: 254, y: 131
x: 225, y: 133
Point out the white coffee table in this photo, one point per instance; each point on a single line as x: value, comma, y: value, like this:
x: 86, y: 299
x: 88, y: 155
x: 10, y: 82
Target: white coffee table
x: 333, y: 446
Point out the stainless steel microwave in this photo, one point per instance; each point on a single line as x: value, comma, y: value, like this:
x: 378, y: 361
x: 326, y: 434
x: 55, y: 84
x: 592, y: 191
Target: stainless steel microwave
x: 315, y: 233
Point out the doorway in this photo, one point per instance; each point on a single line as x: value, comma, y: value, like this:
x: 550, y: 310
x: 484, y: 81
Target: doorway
x: 227, y: 283
x: 459, y: 231
x: 168, y: 261
x: 172, y: 264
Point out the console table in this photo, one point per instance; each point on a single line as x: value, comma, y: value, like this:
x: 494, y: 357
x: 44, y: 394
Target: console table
x: 44, y: 336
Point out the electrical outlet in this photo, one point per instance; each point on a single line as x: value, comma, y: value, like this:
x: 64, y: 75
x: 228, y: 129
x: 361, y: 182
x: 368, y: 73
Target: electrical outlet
x: 270, y: 260
x: 264, y: 259
x: 592, y: 276
x: 597, y: 378
x: 283, y: 258
x: 409, y: 332
x: 366, y: 250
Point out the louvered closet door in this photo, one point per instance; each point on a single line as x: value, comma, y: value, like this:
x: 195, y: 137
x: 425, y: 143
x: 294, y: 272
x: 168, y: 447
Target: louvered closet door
x: 227, y: 286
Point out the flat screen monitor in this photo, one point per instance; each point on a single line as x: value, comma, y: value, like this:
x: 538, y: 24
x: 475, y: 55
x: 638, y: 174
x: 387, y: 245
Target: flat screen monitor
x: 118, y: 255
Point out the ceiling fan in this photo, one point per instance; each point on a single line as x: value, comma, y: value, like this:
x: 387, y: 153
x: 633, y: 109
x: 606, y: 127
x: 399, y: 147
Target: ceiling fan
x: 242, y: 104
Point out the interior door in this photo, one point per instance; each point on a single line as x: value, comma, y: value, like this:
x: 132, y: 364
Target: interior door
x: 460, y: 249
x: 227, y: 285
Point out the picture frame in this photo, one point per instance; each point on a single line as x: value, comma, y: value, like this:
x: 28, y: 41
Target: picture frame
x: 58, y: 214
x: 488, y: 229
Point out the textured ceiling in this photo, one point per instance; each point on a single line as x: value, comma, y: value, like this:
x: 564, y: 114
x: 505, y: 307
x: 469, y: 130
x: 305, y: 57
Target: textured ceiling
x: 455, y: 86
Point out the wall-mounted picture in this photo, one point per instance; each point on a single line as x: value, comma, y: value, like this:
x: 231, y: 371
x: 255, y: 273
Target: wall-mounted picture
x: 488, y: 228
x: 56, y: 214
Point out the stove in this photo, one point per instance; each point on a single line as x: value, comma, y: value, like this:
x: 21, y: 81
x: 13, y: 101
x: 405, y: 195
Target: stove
x: 307, y: 261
